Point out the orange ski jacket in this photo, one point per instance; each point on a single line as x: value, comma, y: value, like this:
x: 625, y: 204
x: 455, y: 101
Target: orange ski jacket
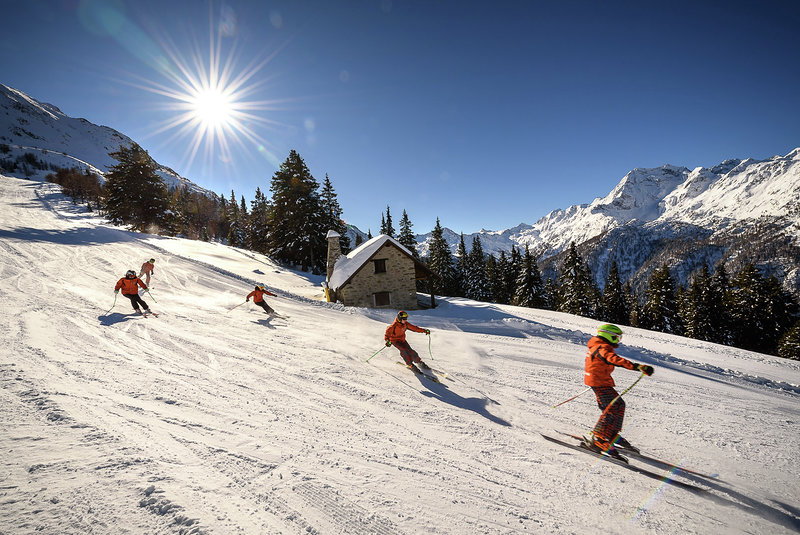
x: 396, y: 332
x: 258, y: 295
x: 147, y: 267
x: 600, y: 362
x: 129, y: 286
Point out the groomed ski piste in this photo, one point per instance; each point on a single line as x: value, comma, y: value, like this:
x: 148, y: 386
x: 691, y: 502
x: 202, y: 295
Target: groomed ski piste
x: 212, y: 420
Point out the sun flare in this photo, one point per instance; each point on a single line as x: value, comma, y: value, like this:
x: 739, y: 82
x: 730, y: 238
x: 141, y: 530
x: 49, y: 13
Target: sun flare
x: 209, y: 100
x: 212, y: 107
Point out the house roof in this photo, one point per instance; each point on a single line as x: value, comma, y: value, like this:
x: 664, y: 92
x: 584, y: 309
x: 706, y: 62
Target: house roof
x: 347, y: 266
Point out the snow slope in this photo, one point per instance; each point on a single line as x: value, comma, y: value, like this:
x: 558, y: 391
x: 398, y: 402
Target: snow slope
x: 211, y: 420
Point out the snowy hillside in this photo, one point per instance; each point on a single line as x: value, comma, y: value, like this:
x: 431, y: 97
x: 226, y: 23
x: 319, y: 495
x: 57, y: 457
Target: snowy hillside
x: 27, y: 125
x: 214, y: 419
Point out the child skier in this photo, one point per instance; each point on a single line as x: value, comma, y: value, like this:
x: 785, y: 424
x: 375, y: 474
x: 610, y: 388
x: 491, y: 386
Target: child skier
x: 258, y: 298
x: 130, y: 288
x: 600, y: 362
x: 396, y: 334
x: 148, y: 269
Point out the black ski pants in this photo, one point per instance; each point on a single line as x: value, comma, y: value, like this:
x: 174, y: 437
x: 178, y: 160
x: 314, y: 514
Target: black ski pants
x: 136, y: 300
x: 265, y: 306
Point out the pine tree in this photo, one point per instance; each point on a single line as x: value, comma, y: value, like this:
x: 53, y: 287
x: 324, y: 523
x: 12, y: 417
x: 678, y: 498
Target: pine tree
x: 529, y: 287
x: 761, y: 311
x: 333, y: 214
x: 259, y: 235
x: 551, y: 294
x: 388, y: 228
x: 476, y: 282
x: 512, y: 272
x: 461, y: 267
x: 440, y: 261
x: 722, y: 326
x: 406, y: 237
x: 134, y: 194
x: 244, y: 223
x: 614, y: 308
x: 632, y: 305
x: 661, y: 309
x: 296, y: 222
x: 575, y: 292
x: 789, y: 345
x: 235, y: 232
x: 697, y: 305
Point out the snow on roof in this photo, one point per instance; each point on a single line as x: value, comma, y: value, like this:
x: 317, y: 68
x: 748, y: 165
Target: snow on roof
x: 346, y: 266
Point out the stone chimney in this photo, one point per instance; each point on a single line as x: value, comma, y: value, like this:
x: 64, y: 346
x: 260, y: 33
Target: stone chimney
x: 334, y: 252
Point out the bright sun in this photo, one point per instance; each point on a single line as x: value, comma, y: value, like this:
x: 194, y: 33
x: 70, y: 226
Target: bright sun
x: 209, y: 100
x: 212, y: 107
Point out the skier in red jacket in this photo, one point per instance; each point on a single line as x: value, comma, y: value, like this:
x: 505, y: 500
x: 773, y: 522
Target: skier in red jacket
x: 258, y: 298
x: 129, y: 284
x: 601, y: 359
x: 396, y: 335
x: 148, y: 268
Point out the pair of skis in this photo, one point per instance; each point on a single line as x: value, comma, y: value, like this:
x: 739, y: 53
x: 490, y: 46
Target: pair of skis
x: 147, y: 313
x: 434, y: 375
x: 622, y: 461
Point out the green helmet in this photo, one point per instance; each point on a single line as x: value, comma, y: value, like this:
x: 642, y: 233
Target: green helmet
x: 609, y: 332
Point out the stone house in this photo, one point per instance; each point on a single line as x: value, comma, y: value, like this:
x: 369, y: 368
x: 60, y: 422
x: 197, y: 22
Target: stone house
x: 380, y: 273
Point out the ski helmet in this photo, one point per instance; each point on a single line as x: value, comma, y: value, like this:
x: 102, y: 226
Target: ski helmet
x: 610, y: 332
x: 152, y: 260
x: 402, y: 315
x: 260, y: 287
x: 130, y: 274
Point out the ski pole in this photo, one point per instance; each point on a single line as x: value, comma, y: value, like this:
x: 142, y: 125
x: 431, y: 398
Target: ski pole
x: 573, y: 397
x: 115, y: 303
x: 151, y: 295
x: 429, y: 345
x: 622, y: 394
x: 378, y: 351
x: 237, y: 306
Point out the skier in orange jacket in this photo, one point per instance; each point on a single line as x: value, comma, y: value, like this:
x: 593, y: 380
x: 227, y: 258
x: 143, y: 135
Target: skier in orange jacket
x: 129, y: 284
x: 148, y: 269
x: 396, y: 335
x: 601, y: 359
x: 258, y: 298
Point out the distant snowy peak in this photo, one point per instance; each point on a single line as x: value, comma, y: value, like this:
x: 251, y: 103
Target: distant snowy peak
x: 27, y: 125
x: 732, y: 191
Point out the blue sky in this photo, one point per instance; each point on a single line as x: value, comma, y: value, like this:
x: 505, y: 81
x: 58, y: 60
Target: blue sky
x: 483, y: 114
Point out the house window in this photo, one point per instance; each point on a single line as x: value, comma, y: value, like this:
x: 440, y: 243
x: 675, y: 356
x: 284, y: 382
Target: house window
x: 382, y: 299
x: 380, y: 265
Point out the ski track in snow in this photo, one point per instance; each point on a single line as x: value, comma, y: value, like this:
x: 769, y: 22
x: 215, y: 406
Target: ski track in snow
x: 206, y: 420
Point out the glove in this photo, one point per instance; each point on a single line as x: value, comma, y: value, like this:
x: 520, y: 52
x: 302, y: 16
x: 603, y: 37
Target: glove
x: 116, y: 291
x: 645, y: 369
x: 388, y: 343
x: 427, y: 331
x: 246, y: 300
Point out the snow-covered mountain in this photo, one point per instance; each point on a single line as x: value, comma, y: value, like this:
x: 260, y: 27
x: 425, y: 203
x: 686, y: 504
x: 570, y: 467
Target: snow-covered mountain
x: 736, y: 211
x: 30, y: 126
x: 216, y: 419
